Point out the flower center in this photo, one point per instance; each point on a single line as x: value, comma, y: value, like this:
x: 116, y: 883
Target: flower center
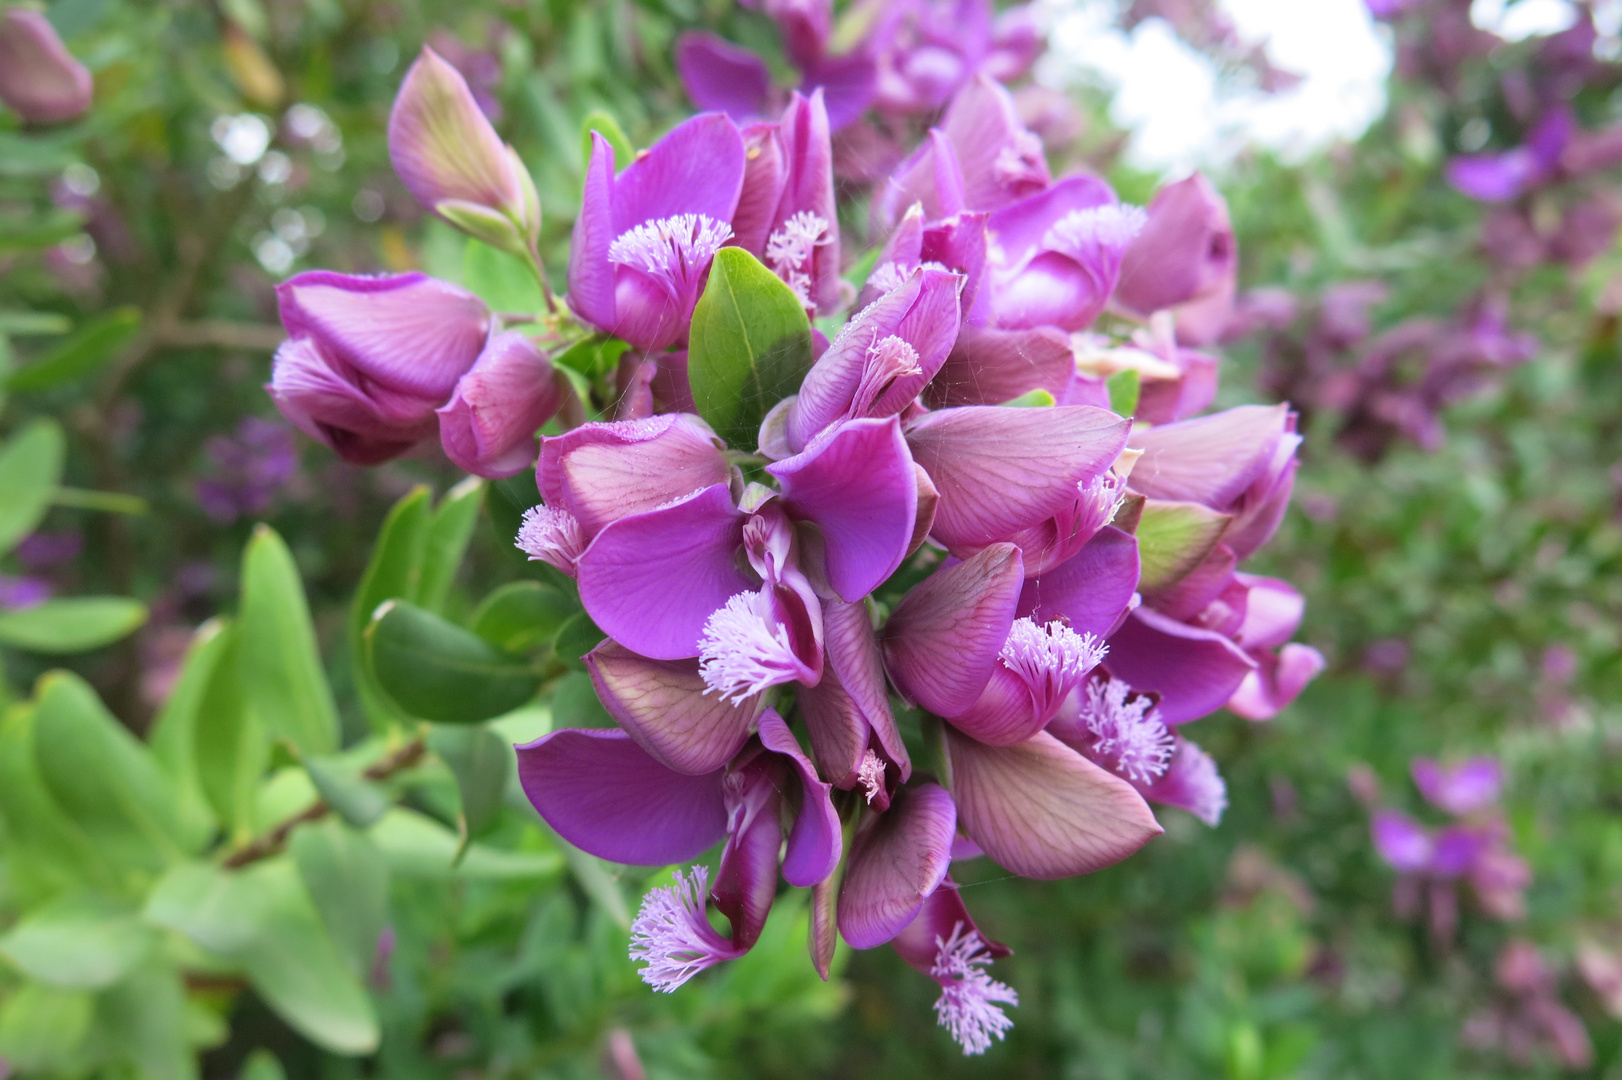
x: 673, y: 251
x: 888, y: 359
x: 1051, y: 660
x: 745, y: 649
x: 1020, y: 164
x: 788, y: 251
x: 1127, y: 736
x: 551, y: 534
x: 871, y: 775
x: 968, y: 1005
x: 672, y: 936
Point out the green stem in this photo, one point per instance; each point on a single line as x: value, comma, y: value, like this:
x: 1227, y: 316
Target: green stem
x: 110, y: 501
x: 539, y: 270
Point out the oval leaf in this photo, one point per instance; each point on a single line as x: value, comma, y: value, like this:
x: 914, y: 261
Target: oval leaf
x: 438, y: 671
x: 73, y: 625
x: 30, y: 468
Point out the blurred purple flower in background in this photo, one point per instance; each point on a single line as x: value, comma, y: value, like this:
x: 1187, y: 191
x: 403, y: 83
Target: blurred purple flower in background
x: 246, y: 471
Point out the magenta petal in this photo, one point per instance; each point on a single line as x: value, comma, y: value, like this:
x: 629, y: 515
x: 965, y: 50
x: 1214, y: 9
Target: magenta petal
x: 816, y: 840
x: 601, y: 472
x: 1002, y: 162
x: 942, y: 914
x: 1212, y: 459
x: 763, y: 177
x: 1462, y: 789
x: 898, y: 859
x: 1402, y: 842
x: 959, y: 243
x: 652, y: 580
x: 850, y: 704
x: 488, y: 426
x: 1185, y: 252
x: 1278, y: 680
x: 601, y: 792
x: 1192, y: 593
x: 989, y: 366
x: 1019, y: 229
x: 1003, y: 714
x: 1194, y: 671
x: 1272, y: 612
x: 929, y: 176
x: 809, y: 188
x: 857, y: 486
x: 1002, y: 470
x: 591, y: 275
x: 719, y: 76
x: 697, y: 168
x: 1191, y: 782
x: 663, y: 706
x: 39, y: 79
x: 1041, y: 810
x: 847, y: 85
x: 945, y: 635
x: 746, y: 883
x: 316, y: 397
x: 409, y: 333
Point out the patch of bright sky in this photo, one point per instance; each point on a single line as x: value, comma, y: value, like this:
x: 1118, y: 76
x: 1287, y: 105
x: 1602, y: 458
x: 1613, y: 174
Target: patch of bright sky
x: 1183, y: 116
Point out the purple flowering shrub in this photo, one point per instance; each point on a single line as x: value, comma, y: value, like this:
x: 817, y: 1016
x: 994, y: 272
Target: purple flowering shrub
x: 940, y: 575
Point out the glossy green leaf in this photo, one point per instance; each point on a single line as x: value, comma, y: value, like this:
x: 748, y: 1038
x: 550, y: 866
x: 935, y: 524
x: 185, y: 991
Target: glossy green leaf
x: 84, y: 352
x: 33, y: 323
x: 102, y: 776
x: 750, y: 346
x: 445, y: 545
x: 279, y: 663
x: 351, y: 796
x: 482, y: 764
x: 262, y: 918
x: 349, y: 883
x: 43, y: 1029
x: 79, y: 941
x: 438, y: 671
x: 393, y: 571
x: 503, y: 281
x: 1123, y: 387
x: 30, y: 469
x: 71, y: 625
x: 522, y: 614
x: 1173, y: 539
x: 1032, y: 399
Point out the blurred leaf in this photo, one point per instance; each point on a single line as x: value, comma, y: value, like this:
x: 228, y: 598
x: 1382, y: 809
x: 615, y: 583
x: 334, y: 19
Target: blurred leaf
x: 46, y: 851
x: 43, y: 1028
x: 1123, y: 387
x: 577, y: 637
x: 605, y: 125
x: 522, y: 614
x: 438, y: 671
x: 30, y: 469
x: 173, y: 735
x: 262, y: 1065
x: 1174, y: 538
x: 102, y: 776
x: 392, y: 573
x: 482, y: 764
x: 30, y: 323
x: 231, y: 745
x: 87, y: 350
x: 574, y: 703
x: 596, y: 882
x: 36, y: 155
x: 40, y: 231
x: 81, y: 942
x: 449, y: 531
x: 253, y: 72
x: 262, y: 918
x: 592, y: 358
x: 355, y: 799
x: 1032, y: 399
x: 349, y: 883
x: 142, y: 1020
x: 72, y: 625
x: 750, y: 346
x: 280, y: 666
x: 417, y: 846
x: 503, y: 281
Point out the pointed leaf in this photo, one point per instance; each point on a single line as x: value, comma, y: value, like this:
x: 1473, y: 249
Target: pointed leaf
x: 351, y: 796
x: 392, y: 573
x: 445, y: 544
x: 349, y: 883
x: 80, y: 942
x: 438, y: 671
x: 88, y: 349
x: 71, y: 625
x: 522, y: 614
x: 30, y: 469
x: 231, y: 745
x: 483, y: 766
x: 279, y: 663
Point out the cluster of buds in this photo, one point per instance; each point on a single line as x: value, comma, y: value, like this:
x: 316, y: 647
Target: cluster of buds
x: 904, y: 621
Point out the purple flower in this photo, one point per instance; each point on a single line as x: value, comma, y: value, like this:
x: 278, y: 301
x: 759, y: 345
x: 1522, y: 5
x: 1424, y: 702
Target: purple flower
x: 1402, y: 842
x: 1501, y: 177
x: 1184, y: 256
x: 488, y: 426
x: 45, y: 550
x: 21, y: 593
x: 645, y: 238
x: 944, y: 943
x: 786, y: 213
x: 40, y: 80
x: 453, y: 162
x: 1463, y: 789
x: 1001, y: 161
x: 369, y: 359
x: 248, y: 471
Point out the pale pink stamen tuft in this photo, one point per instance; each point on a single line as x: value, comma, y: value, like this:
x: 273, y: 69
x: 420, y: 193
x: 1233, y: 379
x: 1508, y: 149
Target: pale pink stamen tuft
x: 672, y: 936
x: 1099, y: 231
x: 871, y: 775
x: 1127, y: 736
x: 745, y: 650
x: 968, y: 1005
x: 1020, y: 160
x: 675, y: 251
x: 888, y: 277
x: 788, y: 251
x: 551, y: 534
x: 1051, y: 660
x: 888, y: 359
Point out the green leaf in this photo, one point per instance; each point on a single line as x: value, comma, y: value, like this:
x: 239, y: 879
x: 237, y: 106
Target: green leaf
x: 750, y: 346
x: 1173, y: 539
x: 482, y: 764
x: 102, y: 776
x: 446, y: 543
x: 173, y: 735
x: 33, y: 323
x: 142, y: 1020
x: 503, y: 281
x: 574, y: 703
x: 72, y: 625
x: 354, y: 798
x: 43, y: 1029
x: 38, y: 231
x: 522, y: 614
x: 262, y: 1065
x: 392, y: 573
x: 46, y: 851
x: 438, y: 671
x: 605, y: 125
x: 80, y: 942
x: 82, y: 353
x: 349, y: 883
x: 30, y: 469
x: 263, y: 919
x: 577, y: 637
x: 595, y: 881
x: 417, y: 846
x: 37, y: 155
x: 279, y: 664
x: 1032, y: 399
x: 230, y: 743
x: 592, y: 357
x: 1123, y: 387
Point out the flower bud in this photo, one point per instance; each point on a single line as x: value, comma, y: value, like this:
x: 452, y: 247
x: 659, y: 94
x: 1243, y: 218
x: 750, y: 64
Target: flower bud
x: 1185, y: 252
x: 453, y: 162
x: 488, y: 426
x: 39, y: 79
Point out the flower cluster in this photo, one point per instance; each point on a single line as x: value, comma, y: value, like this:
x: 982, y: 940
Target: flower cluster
x: 987, y: 624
